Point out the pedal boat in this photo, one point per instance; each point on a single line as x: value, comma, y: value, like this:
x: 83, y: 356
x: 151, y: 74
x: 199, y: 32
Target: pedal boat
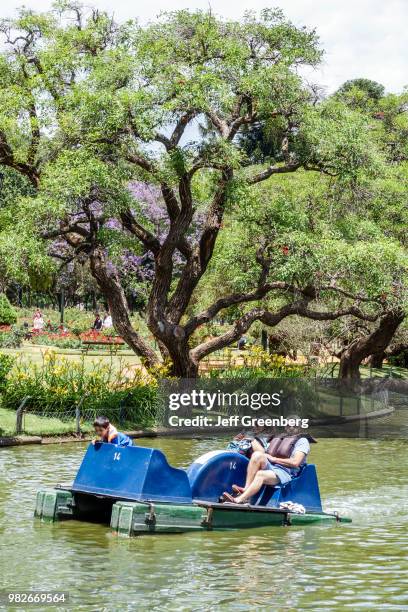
x: 136, y: 491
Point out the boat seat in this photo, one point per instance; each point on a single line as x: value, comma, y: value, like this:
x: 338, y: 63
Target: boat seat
x: 302, y: 489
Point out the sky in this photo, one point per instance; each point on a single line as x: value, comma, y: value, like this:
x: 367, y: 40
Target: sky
x: 361, y: 38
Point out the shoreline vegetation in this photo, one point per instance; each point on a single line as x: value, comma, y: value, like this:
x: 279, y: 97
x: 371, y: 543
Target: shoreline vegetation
x: 54, y: 382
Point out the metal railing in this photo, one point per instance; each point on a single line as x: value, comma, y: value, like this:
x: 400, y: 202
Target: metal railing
x: 76, y: 421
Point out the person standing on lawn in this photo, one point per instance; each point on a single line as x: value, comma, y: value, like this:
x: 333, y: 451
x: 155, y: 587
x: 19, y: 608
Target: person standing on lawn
x: 107, y: 321
x: 38, y: 321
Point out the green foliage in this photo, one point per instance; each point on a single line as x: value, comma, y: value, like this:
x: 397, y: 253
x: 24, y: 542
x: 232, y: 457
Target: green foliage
x: 13, y: 338
x: 57, y: 387
x: 339, y: 140
x: 8, y: 315
x: 84, y: 107
x: 363, y: 94
x: 193, y: 60
x: 12, y: 186
x: 374, y: 90
x: 400, y: 360
x: 314, y: 231
x: 23, y: 257
x: 393, y: 118
x: 259, y: 364
x: 6, y: 363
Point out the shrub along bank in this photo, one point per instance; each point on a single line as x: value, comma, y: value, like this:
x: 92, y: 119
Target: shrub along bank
x: 56, y: 388
x: 130, y: 397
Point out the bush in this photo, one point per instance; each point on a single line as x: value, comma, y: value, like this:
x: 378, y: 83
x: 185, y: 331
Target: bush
x: 8, y: 315
x: 400, y: 360
x: 58, y: 386
x: 259, y: 364
x: 12, y: 338
x: 6, y: 363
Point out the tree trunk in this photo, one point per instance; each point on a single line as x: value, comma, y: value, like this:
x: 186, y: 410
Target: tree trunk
x: 374, y: 344
x: 111, y: 288
x: 183, y: 366
x: 376, y: 360
x: 350, y: 363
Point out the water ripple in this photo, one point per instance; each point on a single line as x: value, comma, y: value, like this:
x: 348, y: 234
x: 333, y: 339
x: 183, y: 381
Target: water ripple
x: 321, y: 568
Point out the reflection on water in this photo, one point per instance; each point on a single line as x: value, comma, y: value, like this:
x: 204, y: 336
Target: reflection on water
x: 340, y: 567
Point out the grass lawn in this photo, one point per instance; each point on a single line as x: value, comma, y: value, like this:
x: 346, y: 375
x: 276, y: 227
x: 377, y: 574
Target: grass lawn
x: 34, y: 354
x: 35, y: 425
x: 45, y: 425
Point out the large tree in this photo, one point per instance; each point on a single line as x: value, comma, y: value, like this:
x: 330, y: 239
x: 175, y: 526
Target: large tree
x: 88, y: 106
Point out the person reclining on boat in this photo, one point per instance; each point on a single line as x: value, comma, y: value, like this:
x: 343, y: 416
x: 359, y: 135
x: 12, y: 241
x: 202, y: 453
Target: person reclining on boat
x: 108, y: 433
x: 278, y: 464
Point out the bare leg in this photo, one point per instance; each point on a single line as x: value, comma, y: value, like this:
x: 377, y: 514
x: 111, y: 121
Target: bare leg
x: 256, y: 463
x: 263, y: 477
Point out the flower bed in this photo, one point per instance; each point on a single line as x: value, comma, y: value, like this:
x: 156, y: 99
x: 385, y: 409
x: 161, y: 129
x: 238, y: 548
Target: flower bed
x: 104, y: 337
x: 60, y: 339
x: 63, y: 338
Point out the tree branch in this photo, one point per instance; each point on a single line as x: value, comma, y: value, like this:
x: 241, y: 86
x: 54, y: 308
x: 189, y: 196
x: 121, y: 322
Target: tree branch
x: 141, y: 161
x: 7, y: 159
x: 64, y: 230
x: 172, y: 142
x: 348, y: 294
x: 299, y: 307
x: 235, y: 298
x: 198, y: 261
x: 147, y: 238
x: 220, y: 124
x: 35, y: 132
x: 169, y: 197
x: 265, y: 174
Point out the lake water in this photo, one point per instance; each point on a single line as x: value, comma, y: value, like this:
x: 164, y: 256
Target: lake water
x: 358, y: 566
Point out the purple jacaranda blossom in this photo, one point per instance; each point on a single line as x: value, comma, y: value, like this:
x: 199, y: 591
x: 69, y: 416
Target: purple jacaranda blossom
x: 113, y: 224
x: 154, y: 209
